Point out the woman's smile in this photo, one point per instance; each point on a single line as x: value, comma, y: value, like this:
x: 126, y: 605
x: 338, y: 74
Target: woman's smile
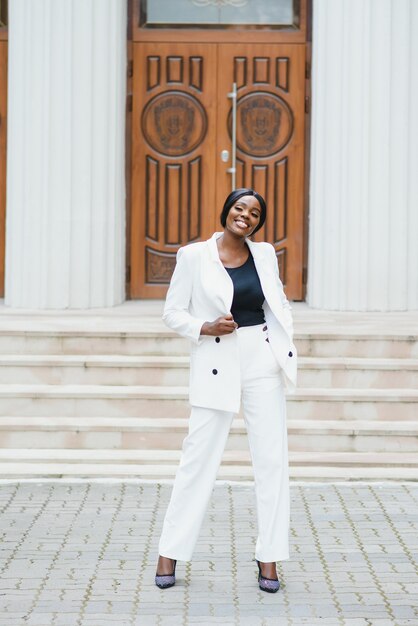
x: 239, y: 222
x: 244, y: 215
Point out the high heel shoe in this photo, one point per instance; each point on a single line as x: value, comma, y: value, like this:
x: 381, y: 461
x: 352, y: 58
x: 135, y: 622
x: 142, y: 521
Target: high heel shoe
x: 164, y: 581
x: 271, y: 585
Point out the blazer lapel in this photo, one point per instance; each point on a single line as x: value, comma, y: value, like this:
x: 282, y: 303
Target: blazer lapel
x: 263, y: 271
x: 268, y: 282
x: 225, y: 287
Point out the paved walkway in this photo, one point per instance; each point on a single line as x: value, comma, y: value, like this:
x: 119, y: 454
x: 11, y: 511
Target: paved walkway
x: 84, y: 554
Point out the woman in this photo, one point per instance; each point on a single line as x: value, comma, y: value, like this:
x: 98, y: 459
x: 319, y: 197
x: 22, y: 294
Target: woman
x: 227, y: 298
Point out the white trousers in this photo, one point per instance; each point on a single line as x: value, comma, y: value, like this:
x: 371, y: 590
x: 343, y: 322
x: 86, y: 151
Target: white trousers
x: 264, y: 408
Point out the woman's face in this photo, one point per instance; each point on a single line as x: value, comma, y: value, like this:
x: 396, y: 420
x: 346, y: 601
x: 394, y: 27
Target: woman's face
x: 244, y: 216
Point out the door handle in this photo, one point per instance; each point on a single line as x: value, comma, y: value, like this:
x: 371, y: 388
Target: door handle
x: 233, y: 169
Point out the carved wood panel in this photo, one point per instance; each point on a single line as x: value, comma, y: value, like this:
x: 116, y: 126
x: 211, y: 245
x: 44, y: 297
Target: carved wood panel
x: 173, y: 184
x: 270, y: 142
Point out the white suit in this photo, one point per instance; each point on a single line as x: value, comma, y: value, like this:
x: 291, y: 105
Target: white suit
x: 224, y: 370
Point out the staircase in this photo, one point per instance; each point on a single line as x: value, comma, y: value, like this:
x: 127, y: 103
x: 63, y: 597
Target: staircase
x: 105, y: 394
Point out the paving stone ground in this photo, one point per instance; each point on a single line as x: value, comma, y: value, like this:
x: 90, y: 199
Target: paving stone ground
x: 84, y: 554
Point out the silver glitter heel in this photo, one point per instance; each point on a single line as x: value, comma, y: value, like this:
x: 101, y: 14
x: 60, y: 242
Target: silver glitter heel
x: 164, y: 581
x: 271, y: 585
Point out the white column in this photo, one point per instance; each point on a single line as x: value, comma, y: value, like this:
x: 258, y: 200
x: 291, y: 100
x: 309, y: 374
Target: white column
x: 363, y: 233
x: 65, y: 214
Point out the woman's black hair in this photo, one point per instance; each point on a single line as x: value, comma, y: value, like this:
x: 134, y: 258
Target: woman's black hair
x: 236, y: 195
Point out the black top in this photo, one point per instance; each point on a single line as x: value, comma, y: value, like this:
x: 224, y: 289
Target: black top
x: 247, y: 305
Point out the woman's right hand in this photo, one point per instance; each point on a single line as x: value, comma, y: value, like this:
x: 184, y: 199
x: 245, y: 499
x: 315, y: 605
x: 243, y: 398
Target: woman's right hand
x: 222, y: 326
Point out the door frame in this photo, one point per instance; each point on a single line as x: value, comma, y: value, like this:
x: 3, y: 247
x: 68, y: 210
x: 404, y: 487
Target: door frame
x: 303, y: 34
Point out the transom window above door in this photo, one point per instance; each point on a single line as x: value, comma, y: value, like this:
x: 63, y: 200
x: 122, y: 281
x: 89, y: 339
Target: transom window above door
x: 219, y: 13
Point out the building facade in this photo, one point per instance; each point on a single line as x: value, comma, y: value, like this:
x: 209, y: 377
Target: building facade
x: 128, y: 123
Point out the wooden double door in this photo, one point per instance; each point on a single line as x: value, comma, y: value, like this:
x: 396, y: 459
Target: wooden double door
x: 182, y: 132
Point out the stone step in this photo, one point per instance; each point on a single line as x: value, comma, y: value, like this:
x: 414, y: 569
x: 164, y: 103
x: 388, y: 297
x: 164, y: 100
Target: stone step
x: 322, y: 372
x: 168, y: 434
x: 49, y: 341
x: 94, y: 370
x: 153, y: 339
x: 21, y: 470
x: 235, y: 465
x: 380, y: 345
x: 165, y: 401
x: 358, y: 372
x: 230, y: 457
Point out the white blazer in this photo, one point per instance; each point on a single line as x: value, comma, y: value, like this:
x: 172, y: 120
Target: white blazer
x: 201, y: 290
